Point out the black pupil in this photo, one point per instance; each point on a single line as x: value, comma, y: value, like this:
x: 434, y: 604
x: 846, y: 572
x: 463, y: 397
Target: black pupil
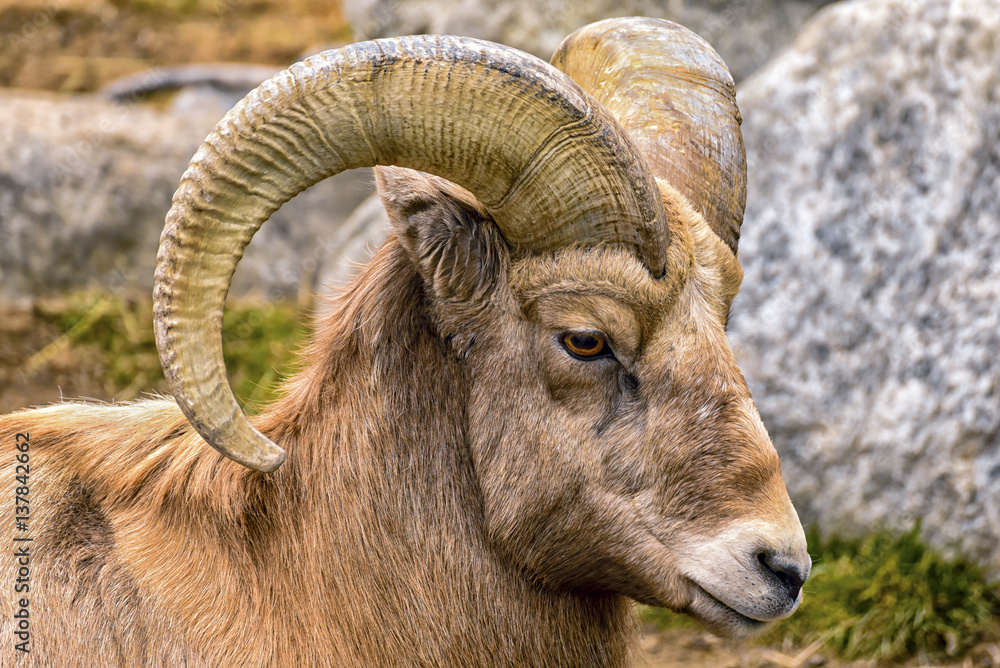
x: 586, y: 343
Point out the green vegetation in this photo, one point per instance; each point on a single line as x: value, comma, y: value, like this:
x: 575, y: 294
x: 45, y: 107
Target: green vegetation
x: 887, y: 597
x: 665, y: 619
x: 890, y: 597
x: 259, y: 341
x: 169, y: 7
x: 259, y: 344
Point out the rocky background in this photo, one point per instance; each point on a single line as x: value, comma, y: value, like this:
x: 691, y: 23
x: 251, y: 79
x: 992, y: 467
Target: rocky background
x: 869, y: 322
x: 85, y: 184
x: 744, y: 32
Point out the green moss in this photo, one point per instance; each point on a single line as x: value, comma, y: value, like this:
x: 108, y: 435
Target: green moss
x: 887, y: 597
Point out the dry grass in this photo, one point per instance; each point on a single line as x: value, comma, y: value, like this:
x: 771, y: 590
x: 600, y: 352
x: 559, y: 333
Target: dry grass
x: 99, y: 346
x: 80, y: 45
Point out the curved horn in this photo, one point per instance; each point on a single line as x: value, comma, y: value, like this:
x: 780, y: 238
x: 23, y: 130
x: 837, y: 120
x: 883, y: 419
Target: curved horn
x: 675, y: 97
x: 551, y: 166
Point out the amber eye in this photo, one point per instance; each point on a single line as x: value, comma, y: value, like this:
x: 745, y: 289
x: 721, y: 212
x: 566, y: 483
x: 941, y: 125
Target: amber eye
x: 585, y: 345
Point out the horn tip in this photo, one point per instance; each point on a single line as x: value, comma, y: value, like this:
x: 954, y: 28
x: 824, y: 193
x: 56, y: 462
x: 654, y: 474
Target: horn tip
x: 271, y: 460
x: 260, y: 453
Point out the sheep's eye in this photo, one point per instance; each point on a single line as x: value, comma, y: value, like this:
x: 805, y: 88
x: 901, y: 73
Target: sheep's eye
x: 586, y: 345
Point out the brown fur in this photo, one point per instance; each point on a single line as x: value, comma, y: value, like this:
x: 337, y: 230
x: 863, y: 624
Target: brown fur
x: 458, y: 490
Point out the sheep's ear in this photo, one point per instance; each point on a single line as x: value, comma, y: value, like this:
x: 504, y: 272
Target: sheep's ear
x: 451, y: 239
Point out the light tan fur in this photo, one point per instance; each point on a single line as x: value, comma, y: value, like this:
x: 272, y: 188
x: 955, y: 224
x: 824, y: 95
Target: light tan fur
x: 458, y: 491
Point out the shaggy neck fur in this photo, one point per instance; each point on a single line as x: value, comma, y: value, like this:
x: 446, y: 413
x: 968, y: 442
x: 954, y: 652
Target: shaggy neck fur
x: 386, y: 486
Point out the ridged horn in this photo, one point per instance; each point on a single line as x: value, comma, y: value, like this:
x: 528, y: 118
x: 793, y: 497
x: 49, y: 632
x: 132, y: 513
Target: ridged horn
x: 552, y: 166
x: 675, y: 97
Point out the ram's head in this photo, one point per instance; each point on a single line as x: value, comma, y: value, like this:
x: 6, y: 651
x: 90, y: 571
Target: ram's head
x: 579, y: 276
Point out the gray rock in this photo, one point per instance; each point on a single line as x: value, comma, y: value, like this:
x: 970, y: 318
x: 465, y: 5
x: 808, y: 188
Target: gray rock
x: 85, y: 185
x: 354, y: 244
x: 745, y: 33
x: 238, y: 78
x: 202, y: 88
x: 869, y: 321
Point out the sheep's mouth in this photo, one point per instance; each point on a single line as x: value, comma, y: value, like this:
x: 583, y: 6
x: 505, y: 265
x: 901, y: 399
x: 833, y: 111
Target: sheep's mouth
x: 721, y: 617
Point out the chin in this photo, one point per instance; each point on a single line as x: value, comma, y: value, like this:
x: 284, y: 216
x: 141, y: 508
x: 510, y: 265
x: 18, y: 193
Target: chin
x: 722, y: 619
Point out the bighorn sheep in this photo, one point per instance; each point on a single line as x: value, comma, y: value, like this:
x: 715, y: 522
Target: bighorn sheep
x: 522, y: 414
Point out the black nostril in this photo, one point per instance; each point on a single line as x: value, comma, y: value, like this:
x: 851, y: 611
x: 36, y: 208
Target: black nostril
x: 787, y: 571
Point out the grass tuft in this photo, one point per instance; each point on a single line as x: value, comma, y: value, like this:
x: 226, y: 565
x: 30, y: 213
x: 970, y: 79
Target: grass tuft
x: 890, y: 597
x: 885, y: 597
x: 259, y: 341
